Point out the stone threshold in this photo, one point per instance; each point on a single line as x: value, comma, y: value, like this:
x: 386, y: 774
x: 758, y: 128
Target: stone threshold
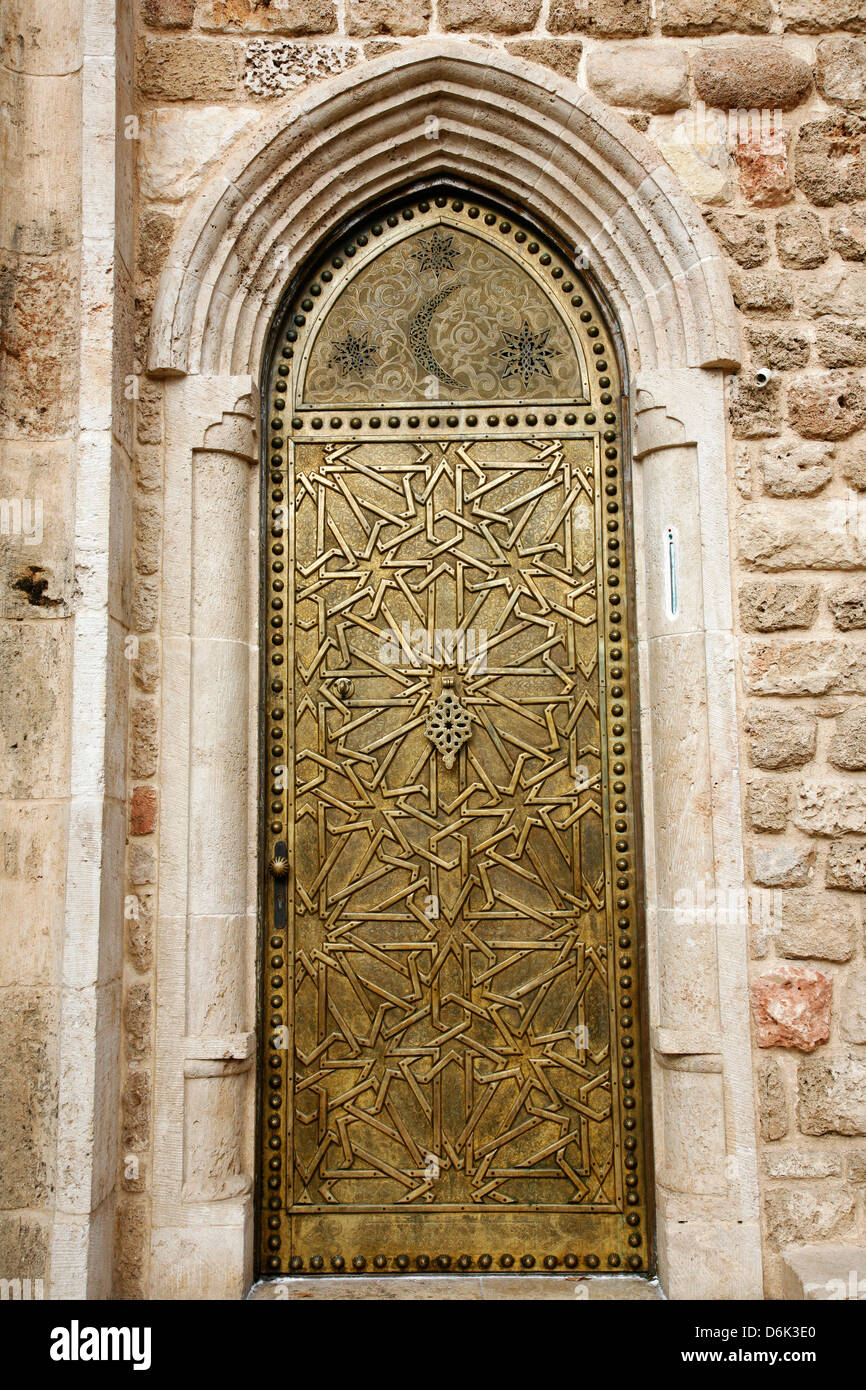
x: 449, y: 1287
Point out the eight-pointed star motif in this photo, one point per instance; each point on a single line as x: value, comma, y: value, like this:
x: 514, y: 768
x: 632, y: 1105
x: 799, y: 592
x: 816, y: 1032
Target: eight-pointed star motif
x: 436, y: 254
x: 526, y: 353
x: 353, y: 353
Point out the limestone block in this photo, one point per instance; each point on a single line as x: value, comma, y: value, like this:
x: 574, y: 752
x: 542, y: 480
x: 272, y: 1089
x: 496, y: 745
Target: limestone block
x: 168, y: 14
x: 848, y: 235
x: 848, y: 745
x: 743, y: 236
x: 799, y: 1163
x: 141, y: 863
x: 275, y: 67
x: 366, y: 17
x: 155, y: 232
x: 817, y: 926
x: 757, y: 292
x: 190, y: 69
x: 830, y: 160
x: 25, y: 1241
x: 840, y: 71
x: 603, y: 19
x: 803, y: 668
x: 772, y: 1101
x: 40, y: 344
x: 137, y: 1020
x: 754, y: 410
x: 856, y: 1166
x: 145, y: 604
x: 562, y: 55
x: 824, y: 1273
x: 28, y: 1084
x: 822, y: 809
x: 779, y: 348
x: 714, y: 16
x: 37, y: 511
x: 135, y: 1108
x: 40, y: 214
x: 766, y: 179
x: 841, y: 344
x: 143, y: 738
x: 131, y: 1241
x: 693, y: 1137
x: 178, y: 146
x: 793, y: 468
x: 138, y: 916
x: 846, y: 866
x: 816, y: 535
x: 832, y: 1095
x: 769, y: 605
x: 782, y: 865
x: 791, y: 1008
x: 277, y: 17
x: 800, y: 238
x: 649, y: 76
x: 38, y: 36
x: 479, y: 16
x: 767, y: 805
x: 699, y: 159
x: 32, y: 875
x: 216, y: 1001
x: 853, y: 1006
x: 749, y: 76
x: 780, y: 737
x: 144, y: 659
x: 143, y: 810
x: 148, y: 533
x: 839, y: 292
x: 817, y: 16
x: 848, y: 605
x: 831, y: 405
x: 794, y: 1215
x: 35, y: 658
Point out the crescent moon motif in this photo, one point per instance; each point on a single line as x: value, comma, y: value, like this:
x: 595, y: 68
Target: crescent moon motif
x: 419, y: 327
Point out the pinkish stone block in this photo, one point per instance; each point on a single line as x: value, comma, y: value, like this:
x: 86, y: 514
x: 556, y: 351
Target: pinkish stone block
x: 791, y: 1007
x: 765, y: 174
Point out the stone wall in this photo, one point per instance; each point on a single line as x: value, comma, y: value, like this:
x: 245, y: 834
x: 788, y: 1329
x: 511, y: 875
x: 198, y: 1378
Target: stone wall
x: 760, y: 107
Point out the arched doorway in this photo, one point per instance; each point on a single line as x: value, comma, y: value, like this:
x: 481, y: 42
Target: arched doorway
x: 452, y: 972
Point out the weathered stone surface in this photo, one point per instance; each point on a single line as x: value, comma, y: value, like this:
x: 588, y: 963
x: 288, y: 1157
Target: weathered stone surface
x: 841, y: 344
x: 853, y: 1006
x: 767, y: 805
x: 817, y: 926
x: 562, y: 55
x: 28, y: 1085
x: 803, y: 668
x: 34, y: 727
x: 275, y: 16
x: 817, y: 535
x: 782, y: 865
x: 179, y: 144
x: 837, y: 291
x: 137, y: 1012
x: 856, y: 1165
x: 604, y: 19
x: 138, y: 916
x: 778, y: 348
x: 795, y: 1215
x: 780, y: 737
x: 768, y: 605
x: 743, y: 237
x: 698, y: 156
x: 143, y: 738
x: 145, y: 664
x: 148, y: 533
x: 190, y: 69
x: 848, y: 745
x: 135, y: 1111
x: 168, y: 14
x: 854, y: 470
x: 848, y: 235
x: 131, y: 1239
x: 830, y: 160
x: 829, y: 405
x: 848, y: 605
x: 800, y: 238
x: 825, y: 809
x: 145, y: 604
x: 794, y: 469
x: 751, y: 76
x: 846, y: 866
x: 796, y: 1163
x: 155, y: 233
x: 142, y: 810
x: 766, y: 179
x: 772, y: 1100
x: 707, y: 17
x: 840, y: 71
x: 366, y: 17
x: 817, y: 16
x: 274, y: 67
x: 754, y: 410
x: 757, y: 292
x: 141, y: 863
x: 39, y: 297
x: 25, y: 1242
x: 650, y: 76
x: 483, y: 16
x: 832, y: 1095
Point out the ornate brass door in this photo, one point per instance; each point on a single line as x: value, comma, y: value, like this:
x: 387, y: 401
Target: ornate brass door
x: 451, y: 994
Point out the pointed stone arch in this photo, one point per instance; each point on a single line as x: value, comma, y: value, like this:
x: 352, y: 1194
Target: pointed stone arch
x: 454, y: 110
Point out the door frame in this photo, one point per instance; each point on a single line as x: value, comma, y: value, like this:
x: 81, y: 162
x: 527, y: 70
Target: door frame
x: 552, y: 147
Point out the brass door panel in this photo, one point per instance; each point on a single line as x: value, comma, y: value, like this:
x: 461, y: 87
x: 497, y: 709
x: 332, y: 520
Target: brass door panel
x: 451, y: 986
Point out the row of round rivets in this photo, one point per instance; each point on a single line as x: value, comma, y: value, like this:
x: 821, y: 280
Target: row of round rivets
x: 394, y: 422
x: 463, y: 1262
